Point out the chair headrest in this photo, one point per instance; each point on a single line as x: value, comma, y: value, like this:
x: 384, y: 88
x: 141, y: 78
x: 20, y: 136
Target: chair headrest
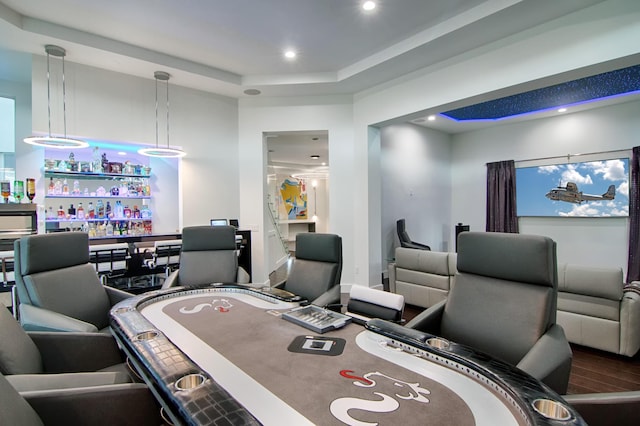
x: 45, y: 252
x: 206, y: 238
x: 319, y: 247
x: 514, y: 257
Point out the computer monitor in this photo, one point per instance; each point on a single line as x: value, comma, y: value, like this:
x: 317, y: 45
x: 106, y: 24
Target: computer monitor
x: 219, y: 222
x: 234, y: 223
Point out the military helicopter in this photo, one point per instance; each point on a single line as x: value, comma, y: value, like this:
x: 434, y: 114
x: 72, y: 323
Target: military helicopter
x: 570, y: 194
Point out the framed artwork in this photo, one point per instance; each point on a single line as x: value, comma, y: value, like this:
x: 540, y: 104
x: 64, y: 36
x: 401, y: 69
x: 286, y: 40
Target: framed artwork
x: 589, y: 189
x: 293, y: 193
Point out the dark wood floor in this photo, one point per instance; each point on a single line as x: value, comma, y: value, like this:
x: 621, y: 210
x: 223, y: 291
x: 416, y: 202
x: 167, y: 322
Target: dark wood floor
x: 592, y: 371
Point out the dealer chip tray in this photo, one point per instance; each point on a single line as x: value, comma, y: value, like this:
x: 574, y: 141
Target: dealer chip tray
x: 317, y: 319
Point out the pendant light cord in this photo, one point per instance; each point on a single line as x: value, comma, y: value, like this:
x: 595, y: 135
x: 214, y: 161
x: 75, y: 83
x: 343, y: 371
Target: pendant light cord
x: 48, y: 94
x: 64, y: 101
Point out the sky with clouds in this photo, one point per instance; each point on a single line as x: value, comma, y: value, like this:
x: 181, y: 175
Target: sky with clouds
x: 533, y: 183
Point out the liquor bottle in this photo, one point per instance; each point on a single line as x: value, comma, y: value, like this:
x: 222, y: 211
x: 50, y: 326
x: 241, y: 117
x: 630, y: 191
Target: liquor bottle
x: 76, y: 187
x: 100, y: 209
x: 58, y: 187
x: 72, y: 212
x: 136, y: 212
x: 145, y: 213
x: 80, y: 212
x: 118, y: 211
x: 107, y: 210
x: 60, y: 213
x: 127, y: 212
x: 109, y: 229
x: 91, y: 211
x: 31, y: 189
x: 65, y: 188
x: 52, y: 187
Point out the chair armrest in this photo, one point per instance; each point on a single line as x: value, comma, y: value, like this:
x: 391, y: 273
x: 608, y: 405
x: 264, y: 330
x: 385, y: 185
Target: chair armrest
x: 630, y: 323
x: 116, y: 295
x: 429, y: 320
x: 125, y: 404
x: 76, y: 352
x: 392, y: 277
x: 279, y: 284
x: 242, y: 277
x: 329, y: 297
x: 549, y: 360
x: 603, y: 409
x: 33, y: 318
x: 171, y: 280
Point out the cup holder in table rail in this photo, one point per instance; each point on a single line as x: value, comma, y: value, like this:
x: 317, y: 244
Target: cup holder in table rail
x: 190, y: 381
x: 146, y: 335
x: 438, y: 343
x: 551, y: 409
x: 122, y: 310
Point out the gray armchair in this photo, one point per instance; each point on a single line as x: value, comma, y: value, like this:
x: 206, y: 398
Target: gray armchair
x: 504, y: 304
x: 58, y: 289
x: 316, y: 271
x: 52, y: 360
x: 120, y: 404
x: 208, y: 256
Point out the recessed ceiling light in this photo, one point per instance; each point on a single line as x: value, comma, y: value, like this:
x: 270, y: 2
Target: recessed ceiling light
x: 369, y: 5
x: 252, y: 92
x: 290, y: 54
x: 324, y: 164
x: 122, y: 153
x: 315, y: 157
x: 562, y: 110
x: 431, y: 118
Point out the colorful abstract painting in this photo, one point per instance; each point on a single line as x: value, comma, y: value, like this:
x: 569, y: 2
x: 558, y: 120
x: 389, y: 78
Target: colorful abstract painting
x: 294, y: 198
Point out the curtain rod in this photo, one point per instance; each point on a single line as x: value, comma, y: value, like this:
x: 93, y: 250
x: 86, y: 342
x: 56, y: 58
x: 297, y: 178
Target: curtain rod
x: 568, y: 156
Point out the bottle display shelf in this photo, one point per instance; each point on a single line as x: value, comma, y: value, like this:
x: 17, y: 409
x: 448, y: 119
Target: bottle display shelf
x: 104, y: 219
x: 91, y: 175
x: 110, y: 197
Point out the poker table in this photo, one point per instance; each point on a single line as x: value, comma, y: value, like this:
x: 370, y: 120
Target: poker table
x: 232, y: 355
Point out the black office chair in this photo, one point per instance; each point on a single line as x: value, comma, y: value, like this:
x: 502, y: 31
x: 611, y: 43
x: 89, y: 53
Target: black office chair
x: 316, y: 271
x: 503, y: 303
x: 405, y: 240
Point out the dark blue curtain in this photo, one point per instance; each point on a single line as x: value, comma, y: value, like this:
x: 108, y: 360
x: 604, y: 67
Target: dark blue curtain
x: 633, y: 262
x: 501, y: 197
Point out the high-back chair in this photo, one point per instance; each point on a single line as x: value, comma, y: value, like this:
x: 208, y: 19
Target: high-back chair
x: 405, y: 240
x: 58, y: 289
x: 317, y: 268
x: 118, y: 404
x: 208, y: 256
x: 504, y: 304
x: 52, y: 360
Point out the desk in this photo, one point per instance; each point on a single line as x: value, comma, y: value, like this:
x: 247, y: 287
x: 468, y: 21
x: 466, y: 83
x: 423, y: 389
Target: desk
x: 225, y: 352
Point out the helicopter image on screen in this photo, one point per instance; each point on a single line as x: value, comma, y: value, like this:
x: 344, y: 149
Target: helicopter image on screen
x: 570, y: 194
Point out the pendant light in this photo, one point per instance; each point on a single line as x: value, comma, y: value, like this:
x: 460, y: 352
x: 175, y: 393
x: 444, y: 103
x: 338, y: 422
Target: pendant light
x: 167, y: 152
x: 53, y: 141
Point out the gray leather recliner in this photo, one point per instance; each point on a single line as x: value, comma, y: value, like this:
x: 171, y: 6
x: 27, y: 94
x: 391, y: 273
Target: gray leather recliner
x: 58, y: 289
x: 208, y: 256
x: 51, y: 360
x: 119, y: 404
x: 317, y: 269
x: 504, y: 304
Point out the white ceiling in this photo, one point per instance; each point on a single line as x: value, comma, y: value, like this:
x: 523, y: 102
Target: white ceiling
x: 229, y: 46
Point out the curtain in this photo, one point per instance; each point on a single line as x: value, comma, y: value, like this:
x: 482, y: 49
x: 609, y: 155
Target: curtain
x: 633, y: 262
x: 501, y: 197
